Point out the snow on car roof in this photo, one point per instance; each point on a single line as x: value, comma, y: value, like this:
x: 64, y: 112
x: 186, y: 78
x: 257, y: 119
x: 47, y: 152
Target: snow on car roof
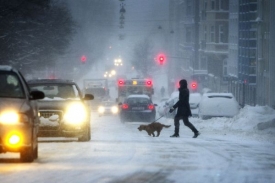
x: 136, y: 96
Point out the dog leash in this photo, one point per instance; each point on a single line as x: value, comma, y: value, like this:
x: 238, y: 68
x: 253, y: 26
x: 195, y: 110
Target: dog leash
x: 158, y: 119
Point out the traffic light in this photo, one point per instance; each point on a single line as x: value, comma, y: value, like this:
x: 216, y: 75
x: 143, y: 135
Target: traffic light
x: 194, y: 86
x: 83, y: 59
x: 161, y: 59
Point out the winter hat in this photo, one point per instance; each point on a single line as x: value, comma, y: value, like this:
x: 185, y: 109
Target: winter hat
x: 183, y: 83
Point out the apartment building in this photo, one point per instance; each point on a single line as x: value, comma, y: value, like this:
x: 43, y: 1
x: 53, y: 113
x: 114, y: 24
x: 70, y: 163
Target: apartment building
x: 233, y: 39
x: 265, y: 55
x: 213, y: 35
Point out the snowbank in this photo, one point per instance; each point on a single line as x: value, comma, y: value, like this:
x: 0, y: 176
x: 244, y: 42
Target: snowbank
x: 257, y: 122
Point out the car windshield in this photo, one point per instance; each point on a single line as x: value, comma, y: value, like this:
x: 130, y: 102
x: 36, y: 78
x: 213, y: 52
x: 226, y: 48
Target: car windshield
x: 214, y: 96
x: 108, y: 103
x: 97, y: 92
x: 57, y: 91
x: 10, y: 85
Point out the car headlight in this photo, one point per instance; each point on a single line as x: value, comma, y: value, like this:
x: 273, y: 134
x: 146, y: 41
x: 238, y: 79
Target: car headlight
x: 75, y: 113
x: 101, y: 109
x: 114, y: 109
x: 12, y: 117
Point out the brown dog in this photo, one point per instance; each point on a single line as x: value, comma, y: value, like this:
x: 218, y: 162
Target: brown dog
x: 151, y: 128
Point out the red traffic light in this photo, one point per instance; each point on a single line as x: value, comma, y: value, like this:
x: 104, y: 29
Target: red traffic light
x: 194, y: 85
x: 83, y: 59
x: 161, y: 59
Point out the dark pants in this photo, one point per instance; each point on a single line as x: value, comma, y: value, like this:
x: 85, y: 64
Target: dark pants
x: 186, y: 123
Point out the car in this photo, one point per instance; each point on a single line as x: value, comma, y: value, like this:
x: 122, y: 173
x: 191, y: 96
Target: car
x: 137, y: 107
x: 218, y: 105
x: 161, y: 104
x: 64, y: 111
x: 163, y: 109
x: 194, y: 100
x: 107, y: 108
x: 18, y: 115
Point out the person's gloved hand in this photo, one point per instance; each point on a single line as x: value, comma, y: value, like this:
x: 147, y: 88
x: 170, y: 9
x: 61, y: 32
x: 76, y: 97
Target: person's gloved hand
x: 171, y: 110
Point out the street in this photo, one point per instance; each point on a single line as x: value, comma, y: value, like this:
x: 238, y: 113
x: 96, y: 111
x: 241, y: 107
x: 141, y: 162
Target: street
x: 119, y: 152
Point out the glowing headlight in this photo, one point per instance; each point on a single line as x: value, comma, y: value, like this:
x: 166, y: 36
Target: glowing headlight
x: 11, y: 117
x: 75, y: 113
x: 114, y: 109
x: 101, y: 109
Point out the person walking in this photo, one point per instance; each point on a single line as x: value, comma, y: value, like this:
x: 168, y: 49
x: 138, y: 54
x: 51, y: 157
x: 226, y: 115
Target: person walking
x: 183, y: 110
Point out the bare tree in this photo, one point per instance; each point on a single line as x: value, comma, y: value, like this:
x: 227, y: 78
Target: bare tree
x: 143, y: 61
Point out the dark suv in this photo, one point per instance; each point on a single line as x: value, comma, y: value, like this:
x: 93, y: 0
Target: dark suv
x: 63, y: 111
x: 18, y: 115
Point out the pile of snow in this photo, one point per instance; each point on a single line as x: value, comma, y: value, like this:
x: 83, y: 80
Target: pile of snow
x: 252, y: 121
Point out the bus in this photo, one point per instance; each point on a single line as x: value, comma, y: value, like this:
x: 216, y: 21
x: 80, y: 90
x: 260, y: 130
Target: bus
x: 128, y: 87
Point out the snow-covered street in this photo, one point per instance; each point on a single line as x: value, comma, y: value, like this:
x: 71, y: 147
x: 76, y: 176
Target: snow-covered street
x: 117, y: 152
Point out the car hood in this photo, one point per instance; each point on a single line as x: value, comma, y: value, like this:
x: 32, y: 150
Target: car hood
x: 55, y: 104
x: 16, y: 104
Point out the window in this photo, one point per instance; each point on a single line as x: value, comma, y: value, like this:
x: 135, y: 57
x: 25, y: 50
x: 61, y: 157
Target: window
x: 205, y: 33
x: 222, y: 4
x: 221, y: 34
x: 212, y: 34
x: 212, y: 4
x: 188, y: 35
x: 189, y: 7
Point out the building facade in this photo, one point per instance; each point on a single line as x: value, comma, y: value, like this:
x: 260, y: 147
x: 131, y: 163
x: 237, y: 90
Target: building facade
x: 213, y: 34
x: 247, y: 41
x: 233, y: 39
x: 265, y: 62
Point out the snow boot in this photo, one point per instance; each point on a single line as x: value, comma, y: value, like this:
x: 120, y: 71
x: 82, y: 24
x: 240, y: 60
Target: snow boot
x: 175, y: 135
x: 196, y: 134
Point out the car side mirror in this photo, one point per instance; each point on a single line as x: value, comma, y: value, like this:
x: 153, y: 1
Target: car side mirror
x: 35, y: 95
x: 88, y: 97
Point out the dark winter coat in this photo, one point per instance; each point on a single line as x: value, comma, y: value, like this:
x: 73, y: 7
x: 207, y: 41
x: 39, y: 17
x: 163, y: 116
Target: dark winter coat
x: 183, y: 103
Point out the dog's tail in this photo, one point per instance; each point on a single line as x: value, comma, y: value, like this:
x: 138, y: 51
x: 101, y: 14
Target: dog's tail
x: 166, y: 126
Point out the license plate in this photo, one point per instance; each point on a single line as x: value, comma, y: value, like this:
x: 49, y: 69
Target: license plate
x: 138, y: 108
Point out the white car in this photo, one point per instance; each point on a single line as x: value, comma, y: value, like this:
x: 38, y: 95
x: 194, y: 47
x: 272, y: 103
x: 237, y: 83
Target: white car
x: 107, y: 108
x: 194, y: 100
x: 218, y: 105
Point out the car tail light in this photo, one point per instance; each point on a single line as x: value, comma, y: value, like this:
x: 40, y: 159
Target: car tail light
x: 149, y: 83
x: 125, y: 106
x: 121, y: 83
x: 151, y: 106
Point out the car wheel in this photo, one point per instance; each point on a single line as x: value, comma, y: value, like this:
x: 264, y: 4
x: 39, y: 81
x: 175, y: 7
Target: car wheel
x: 86, y: 135
x: 27, y: 155
x: 35, y: 152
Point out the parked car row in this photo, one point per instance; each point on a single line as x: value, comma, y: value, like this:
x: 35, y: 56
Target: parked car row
x: 203, y: 106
